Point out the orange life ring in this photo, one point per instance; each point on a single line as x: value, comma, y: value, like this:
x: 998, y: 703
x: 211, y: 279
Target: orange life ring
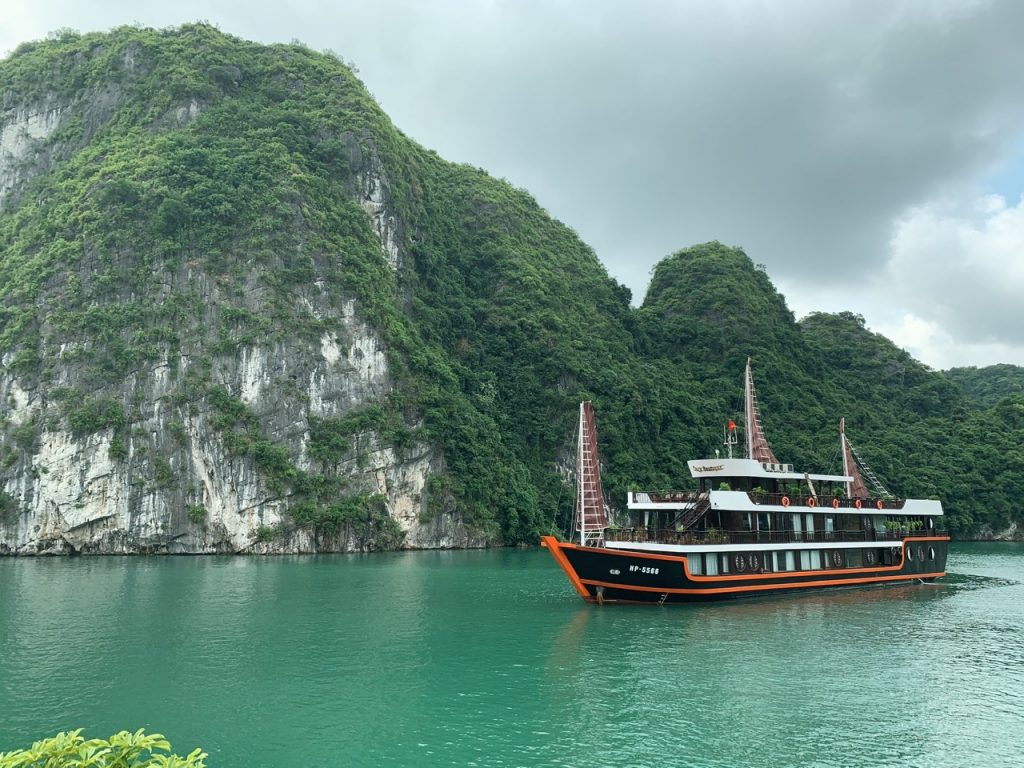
x: 879, y: 504
x: 857, y: 504
x: 835, y: 503
x: 785, y: 501
x: 812, y: 502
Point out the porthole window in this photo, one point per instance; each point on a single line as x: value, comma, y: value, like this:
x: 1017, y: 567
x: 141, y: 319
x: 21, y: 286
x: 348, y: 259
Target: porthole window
x: 755, y: 562
x: 931, y: 553
x: 837, y: 558
x: 910, y: 553
x: 740, y: 562
x: 920, y: 552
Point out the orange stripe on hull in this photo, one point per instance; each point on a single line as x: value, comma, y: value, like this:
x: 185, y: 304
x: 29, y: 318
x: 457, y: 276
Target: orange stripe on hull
x: 763, y: 587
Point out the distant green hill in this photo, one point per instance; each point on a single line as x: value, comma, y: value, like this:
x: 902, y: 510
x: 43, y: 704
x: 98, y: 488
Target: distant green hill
x: 989, y: 385
x: 241, y: 311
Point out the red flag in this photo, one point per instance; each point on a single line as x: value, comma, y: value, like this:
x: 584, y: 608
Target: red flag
x: 732, y: 424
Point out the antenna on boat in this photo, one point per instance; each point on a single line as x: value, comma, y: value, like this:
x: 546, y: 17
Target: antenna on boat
x: 730, y: 437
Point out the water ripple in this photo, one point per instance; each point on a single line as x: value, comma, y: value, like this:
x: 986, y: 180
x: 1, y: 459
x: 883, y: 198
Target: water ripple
x: 488, y: 659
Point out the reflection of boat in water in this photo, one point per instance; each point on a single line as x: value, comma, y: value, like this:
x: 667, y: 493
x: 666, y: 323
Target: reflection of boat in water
x: 754, y: 527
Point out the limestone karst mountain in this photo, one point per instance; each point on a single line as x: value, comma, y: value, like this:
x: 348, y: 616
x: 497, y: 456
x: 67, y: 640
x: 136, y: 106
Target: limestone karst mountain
x: 241, y: 311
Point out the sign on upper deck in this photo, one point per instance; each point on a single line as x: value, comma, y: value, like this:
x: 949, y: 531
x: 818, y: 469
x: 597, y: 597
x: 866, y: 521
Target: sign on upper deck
x: 718, y: 467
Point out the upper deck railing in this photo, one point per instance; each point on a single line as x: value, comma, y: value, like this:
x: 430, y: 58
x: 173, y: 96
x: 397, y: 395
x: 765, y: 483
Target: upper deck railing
x: 822, y: 502
x: 825, y: 502
x: 670, y: 536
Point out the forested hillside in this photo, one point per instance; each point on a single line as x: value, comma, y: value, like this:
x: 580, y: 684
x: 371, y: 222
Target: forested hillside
x: 241, y: 311
x: 987, y: 386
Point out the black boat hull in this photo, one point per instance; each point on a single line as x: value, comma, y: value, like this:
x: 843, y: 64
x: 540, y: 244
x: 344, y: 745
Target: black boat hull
x: 605, y: 574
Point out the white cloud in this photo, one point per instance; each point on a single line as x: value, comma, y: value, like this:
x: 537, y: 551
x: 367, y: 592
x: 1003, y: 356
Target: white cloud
x: 931, y: 344
x: 960, y: 266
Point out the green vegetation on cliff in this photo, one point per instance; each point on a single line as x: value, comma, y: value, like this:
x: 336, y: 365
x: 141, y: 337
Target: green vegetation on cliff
x: 205, y: 195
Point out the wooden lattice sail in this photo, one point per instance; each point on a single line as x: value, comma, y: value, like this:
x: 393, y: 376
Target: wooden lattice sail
x: 853, y: 465
x: 757, y: 444
x: 591, y: 519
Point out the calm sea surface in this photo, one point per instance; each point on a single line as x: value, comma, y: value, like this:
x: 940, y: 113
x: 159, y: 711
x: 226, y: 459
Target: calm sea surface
x: 490, y: 659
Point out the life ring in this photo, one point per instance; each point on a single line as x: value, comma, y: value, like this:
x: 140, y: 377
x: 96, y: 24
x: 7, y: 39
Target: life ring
x: 835, y: 503
x: 740, y: 563
x: 812, y: 502
x: 879, y: 504
x: 785, y: 501
x: 857, y: 504
x: 755, y: 562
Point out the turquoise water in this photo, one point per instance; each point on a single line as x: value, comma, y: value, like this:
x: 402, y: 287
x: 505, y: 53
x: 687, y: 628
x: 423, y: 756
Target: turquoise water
x: 490, y: 659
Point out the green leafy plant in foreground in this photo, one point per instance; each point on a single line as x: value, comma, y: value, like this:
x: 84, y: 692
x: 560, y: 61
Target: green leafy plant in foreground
x: 122, y: 750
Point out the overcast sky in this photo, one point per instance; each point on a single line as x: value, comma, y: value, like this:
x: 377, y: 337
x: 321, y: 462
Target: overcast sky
x: 869, y: 154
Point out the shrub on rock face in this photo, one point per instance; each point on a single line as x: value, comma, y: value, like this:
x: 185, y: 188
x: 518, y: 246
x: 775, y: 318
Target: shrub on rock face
x: 138, y: 750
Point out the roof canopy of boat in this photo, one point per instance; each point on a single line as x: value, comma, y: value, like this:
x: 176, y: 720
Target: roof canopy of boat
x: 753, y: 468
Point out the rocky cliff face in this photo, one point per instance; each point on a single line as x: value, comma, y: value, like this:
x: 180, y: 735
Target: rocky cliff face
x: 170, y: 486
x: 146, y: 459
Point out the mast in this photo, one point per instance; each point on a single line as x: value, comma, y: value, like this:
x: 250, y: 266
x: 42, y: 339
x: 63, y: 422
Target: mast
x: 757, y: 443
x: 591, y: 519
x: 842, y: 450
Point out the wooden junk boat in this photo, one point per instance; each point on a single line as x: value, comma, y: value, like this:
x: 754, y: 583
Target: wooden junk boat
x: 753, y: 527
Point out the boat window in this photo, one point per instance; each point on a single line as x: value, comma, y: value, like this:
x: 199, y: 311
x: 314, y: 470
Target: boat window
x: 763, y: 522
x: 711, y: 561
x: 854, y: 558
x: 812, y: 559
x: 830, y: 526
x: 775, y: 561
x: 910, y: 553
x: 790, y: 561
x: 931, y: 553
x: 696, y: 564
x: 724, y: 560
x: 797, y: 527
x: 809, y: 525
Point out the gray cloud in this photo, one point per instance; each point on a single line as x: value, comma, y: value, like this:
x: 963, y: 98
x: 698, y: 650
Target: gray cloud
x: 803, y: 131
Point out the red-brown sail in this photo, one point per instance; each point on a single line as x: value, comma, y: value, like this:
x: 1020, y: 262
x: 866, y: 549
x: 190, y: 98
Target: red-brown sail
x: 857, y: 488
x: 757, y: 443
